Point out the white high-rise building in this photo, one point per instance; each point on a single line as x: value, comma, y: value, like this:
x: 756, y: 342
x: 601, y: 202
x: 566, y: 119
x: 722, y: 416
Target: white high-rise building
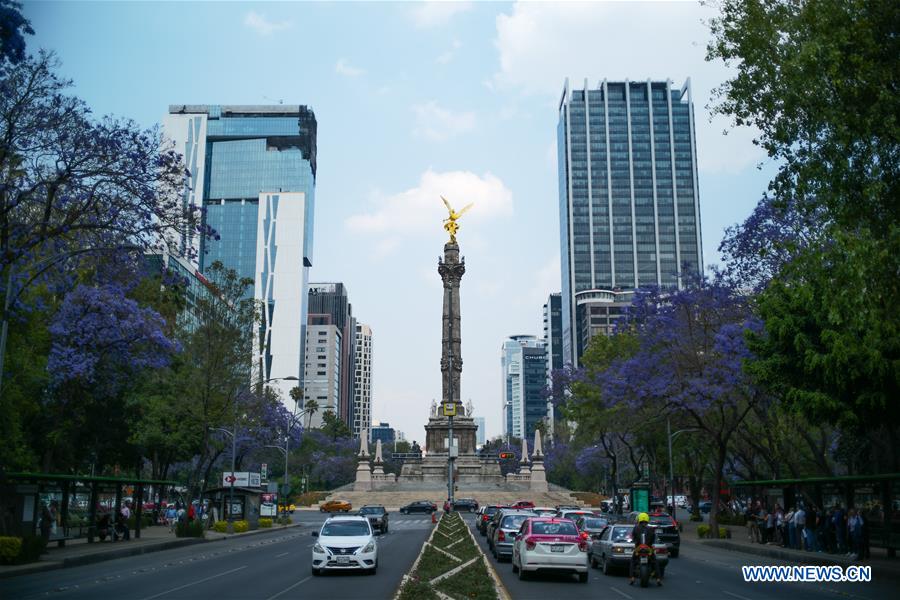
x: 362, y: 390
x: 480, y: 434
x: 524, y: 367
x: 323, y: 370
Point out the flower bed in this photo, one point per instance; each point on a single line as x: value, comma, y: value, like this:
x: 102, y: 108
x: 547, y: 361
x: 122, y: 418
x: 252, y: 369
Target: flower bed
x: 451, y: 565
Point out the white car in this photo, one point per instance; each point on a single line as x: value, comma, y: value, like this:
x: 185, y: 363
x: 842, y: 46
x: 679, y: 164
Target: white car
x: 550, y: 544
x: 345, y: 543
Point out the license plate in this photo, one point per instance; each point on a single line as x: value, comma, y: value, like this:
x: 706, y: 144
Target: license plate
x: 343, y: 560
x: 644, y: 560
x: 557, y: 548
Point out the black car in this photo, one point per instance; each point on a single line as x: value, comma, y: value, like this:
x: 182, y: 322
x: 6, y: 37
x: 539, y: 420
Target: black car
x: 666, y: 530
x: 419, y: 506
x: 467, y: 504
x: 484, y: 516
x: 377, y: 515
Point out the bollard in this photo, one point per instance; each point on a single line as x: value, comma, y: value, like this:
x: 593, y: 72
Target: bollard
x: 433, y: 518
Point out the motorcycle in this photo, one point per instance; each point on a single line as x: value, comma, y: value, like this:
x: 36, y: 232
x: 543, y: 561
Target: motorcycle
x: 646, y: 556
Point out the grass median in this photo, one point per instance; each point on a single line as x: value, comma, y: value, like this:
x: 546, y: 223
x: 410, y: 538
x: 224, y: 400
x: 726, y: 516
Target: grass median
x: 451, y: 565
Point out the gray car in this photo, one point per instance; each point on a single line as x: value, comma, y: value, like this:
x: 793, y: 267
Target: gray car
x: 504, y: 534
x: 614, y: 549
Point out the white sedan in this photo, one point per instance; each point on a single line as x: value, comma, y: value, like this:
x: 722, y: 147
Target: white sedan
x: 345, y: 543
x: 549, y: 544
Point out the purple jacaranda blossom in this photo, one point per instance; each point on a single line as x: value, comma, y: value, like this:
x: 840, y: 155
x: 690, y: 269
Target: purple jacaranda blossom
x: 99, y: 331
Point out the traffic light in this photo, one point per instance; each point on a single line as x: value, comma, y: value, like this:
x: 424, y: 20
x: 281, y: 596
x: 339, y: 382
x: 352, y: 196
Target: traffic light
x: 506, y: 455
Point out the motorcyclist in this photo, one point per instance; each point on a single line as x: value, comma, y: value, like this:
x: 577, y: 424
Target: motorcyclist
x: 646, y: 535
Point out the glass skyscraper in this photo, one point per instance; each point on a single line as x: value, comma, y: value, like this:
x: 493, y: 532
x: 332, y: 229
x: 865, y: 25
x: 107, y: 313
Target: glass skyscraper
x: 523, y: 360
x: 629, y: 209
x: 252, y: 170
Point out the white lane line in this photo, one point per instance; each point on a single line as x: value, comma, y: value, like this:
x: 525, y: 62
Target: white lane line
x: 621, y: 593
x: 181, y: 587
x: 733, y: 595
x: 282, y: 554
x: 305, y: 579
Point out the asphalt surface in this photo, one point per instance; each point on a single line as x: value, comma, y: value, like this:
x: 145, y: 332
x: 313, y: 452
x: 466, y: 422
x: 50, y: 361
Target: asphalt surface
x: 267, y: 566
x: 698, y: 572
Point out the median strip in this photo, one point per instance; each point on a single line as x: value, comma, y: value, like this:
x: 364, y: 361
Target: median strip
x: 450, y: 566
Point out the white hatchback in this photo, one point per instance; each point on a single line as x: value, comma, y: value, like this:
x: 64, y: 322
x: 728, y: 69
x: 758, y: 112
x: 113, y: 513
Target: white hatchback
x: 549, y: 544
x: 345, y: 543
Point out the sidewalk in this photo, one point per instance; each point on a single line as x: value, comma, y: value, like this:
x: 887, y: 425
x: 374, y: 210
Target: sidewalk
x: 882, y: 566
x: 153, y: 539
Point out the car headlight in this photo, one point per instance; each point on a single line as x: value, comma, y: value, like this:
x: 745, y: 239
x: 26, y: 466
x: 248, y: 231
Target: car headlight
x: 370, y: 547
x: 318, y: 549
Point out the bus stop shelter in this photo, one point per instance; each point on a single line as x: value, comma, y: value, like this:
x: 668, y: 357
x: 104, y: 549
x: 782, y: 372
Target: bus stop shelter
x: 74, y: 502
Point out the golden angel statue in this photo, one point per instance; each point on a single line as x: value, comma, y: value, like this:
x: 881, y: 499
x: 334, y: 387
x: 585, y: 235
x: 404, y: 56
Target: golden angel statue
x: 450, y: 223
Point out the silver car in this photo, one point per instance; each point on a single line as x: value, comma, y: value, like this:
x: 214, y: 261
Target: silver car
x: 504, y: 533
x: 614, y: 549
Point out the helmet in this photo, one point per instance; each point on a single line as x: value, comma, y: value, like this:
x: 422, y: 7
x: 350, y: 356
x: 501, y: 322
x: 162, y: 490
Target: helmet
x: 643, y: 518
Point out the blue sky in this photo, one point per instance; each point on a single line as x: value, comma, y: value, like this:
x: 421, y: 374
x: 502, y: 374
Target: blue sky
x: 414, y: 100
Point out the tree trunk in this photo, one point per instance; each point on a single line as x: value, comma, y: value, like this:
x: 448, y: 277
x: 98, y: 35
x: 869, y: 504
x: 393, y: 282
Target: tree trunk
x: 717, y: 486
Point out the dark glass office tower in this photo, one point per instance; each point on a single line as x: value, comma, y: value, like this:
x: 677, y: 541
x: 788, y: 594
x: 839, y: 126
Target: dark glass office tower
x: 331, y: 300
x: 628, y: 200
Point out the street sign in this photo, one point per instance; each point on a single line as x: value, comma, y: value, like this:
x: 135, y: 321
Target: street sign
x: 449, y: 409
x: 264, y: 471
x: 241, y: 479
x: 229, y: 479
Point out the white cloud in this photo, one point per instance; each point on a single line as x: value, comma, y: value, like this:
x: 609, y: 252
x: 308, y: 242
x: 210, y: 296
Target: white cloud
x: 420, y: 210
x: 343, y: 67
x: 440, y: 124
x: 434, y: 14
x: 263, y: 26
x: 447, y: 56
x: 540, y: 44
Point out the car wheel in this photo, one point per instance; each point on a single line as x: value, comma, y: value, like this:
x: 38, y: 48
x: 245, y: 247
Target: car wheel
x: 523, y: 574
x: 594, y: 564
x: 374, y: 569
x: 674, y: 553
x: 582, y: 577
x: 316, y: 572
x: 321, y: 509
x: 515, y: 567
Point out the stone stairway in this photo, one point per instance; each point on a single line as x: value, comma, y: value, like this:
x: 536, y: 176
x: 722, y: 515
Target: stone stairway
x: 393, y: 500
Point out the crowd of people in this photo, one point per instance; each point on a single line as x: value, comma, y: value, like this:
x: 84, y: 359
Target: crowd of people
x: 811, y: 528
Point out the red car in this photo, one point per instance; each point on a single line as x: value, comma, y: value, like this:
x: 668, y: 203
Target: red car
x: 523, y: 505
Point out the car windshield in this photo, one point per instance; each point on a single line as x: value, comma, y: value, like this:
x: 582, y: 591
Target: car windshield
x: 621, y: 534
x: 491, y: 509
x: 371, y: 510
x: 513, y: 521
x: 549, y: 528
x: 661, y: 520
x: 345, y: 528
x: 595, y: 523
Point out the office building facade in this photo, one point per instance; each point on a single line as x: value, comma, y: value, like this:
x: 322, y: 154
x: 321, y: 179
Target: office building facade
x: 252, y: 170
x: 323, y: 366
x: 362, y: 380
x: 330, y: 303
x: 523, y: 362
x: 385, y: 433
x: 480, y: 435
x: 553, y: 344
x: 629, y: 205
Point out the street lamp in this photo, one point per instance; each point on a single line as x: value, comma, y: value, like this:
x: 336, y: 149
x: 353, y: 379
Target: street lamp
x: 671, y: 437
x: 287, y: 440
x: 233, y: 434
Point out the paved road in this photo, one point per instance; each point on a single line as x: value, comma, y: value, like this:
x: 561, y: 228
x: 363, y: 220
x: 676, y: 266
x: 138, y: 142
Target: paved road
x: 699, y: 572
x: 266, y: 566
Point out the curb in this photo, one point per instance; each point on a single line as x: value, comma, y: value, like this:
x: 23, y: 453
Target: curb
x: 499, y: 588
x: 95, y: 557
x: 415, y: 564
x: 813, y: 559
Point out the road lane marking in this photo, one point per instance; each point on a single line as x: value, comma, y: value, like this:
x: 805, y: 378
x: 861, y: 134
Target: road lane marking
x: 621, y: 593
x: 305, y: 579
x: 282, y: 554
x: 733, y: 595
x: 181, y: 587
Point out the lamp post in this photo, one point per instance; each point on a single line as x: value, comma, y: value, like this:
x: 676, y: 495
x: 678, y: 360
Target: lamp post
x: 233, y: 434
x: 671, y: 437
x: 286, y: 451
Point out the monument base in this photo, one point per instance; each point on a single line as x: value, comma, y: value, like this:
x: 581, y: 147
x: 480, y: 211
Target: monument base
x: 468, y: 468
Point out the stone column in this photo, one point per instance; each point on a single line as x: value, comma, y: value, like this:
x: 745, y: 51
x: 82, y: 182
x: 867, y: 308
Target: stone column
x: 523, y: 462
x: 538, y: 474
x: 379, y: 462
x: 363, y: 481
x: 451, y: 270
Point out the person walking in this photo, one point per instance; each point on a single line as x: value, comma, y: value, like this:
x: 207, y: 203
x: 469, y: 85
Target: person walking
x: 811, y: 516
x: 125, y: 514
x: 46, y: 522
x: 854, y: 533
x: 791, y: 527
x: 840, y: 529
x: 779, y: 525
x: 770, y: 527
x: 171, y: 517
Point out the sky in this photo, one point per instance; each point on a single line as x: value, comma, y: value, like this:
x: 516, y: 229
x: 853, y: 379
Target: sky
x: 414, y: 101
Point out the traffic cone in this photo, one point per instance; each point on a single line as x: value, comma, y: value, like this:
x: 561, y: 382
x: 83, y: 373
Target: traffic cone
x: 433, y: 518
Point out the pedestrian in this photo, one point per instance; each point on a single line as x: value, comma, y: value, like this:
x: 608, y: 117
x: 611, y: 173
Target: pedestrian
x: 854, y: 533
x: 770, y: 527
x: 799, y: 526
x: 826, y: 540
x: 171, y: 517
x: 46, y: 522
x: 791, y: 528
x: 840, y: 529
x: 192, y: 513
x: 124, y: 515
x: 750, y: 519
x: 761, y: 517
x: 779, y: 525
x: 811, y: 516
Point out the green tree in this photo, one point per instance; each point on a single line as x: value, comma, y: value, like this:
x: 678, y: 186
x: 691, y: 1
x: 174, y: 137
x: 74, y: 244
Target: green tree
x: 333, y: 426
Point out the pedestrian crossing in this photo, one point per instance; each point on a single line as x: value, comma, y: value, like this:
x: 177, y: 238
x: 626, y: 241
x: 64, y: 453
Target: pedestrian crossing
x: 410, y: 524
